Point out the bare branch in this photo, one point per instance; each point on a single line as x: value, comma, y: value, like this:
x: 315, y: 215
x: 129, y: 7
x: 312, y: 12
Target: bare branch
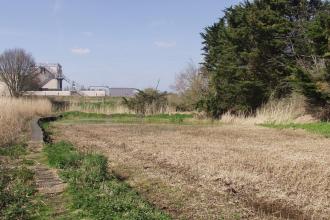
x: 18, y: 71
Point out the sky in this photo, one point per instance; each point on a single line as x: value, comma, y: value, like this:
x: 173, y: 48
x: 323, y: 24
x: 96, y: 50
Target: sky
x: 118, y: 43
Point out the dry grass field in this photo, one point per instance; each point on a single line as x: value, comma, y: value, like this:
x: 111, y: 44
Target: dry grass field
x: 14, y: 114
x: 215, y: 172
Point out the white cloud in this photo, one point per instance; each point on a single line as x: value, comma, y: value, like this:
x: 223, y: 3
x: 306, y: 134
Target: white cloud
x: 80, y: 51
x: 165, y: 44
x: 88, y: 33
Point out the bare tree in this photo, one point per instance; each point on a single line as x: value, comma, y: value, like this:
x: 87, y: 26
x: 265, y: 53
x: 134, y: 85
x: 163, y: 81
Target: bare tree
x: 18, y: 71
x: 191, y: 85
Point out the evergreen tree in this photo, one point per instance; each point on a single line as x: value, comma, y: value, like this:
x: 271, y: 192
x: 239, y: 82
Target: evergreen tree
x: 313, y: 79
x: 252, y: 53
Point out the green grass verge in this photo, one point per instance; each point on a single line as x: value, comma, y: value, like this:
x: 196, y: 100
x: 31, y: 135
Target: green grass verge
x: 125, y: 118
x: 95, y: 193
x: 18, y: 198
x: 78, y: 115
x: 322, y: 128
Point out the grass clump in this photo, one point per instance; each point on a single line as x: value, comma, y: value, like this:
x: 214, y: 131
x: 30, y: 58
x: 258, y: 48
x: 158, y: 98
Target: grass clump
x: 13, y: 151
x: 62, y: 155
x: 322, y: 128
x: 96, y: 193
x: 16, y: 189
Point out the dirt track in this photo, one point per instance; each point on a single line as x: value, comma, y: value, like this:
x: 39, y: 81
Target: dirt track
x: 229, y: 172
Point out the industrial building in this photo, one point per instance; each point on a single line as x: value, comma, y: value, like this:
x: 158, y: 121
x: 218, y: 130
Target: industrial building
x: 51, y: 79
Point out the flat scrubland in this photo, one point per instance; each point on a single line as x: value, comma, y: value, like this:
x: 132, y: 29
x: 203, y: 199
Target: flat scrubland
x: 213, y: 171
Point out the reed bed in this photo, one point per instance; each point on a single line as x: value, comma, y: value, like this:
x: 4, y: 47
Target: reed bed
x: 277, y: 111
x: 14, y: 113
x: 103, y: 109
x: 114, y: 106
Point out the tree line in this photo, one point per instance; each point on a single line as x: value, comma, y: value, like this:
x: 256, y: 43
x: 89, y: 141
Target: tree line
x: 258, y: 51
x: 267, y: 49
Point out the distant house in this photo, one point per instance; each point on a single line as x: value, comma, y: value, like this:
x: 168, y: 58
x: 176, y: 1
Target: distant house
x: 122, y: 92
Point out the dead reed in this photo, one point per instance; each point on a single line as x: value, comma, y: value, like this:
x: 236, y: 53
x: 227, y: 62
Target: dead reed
x: 14, y: 114
x: 276, y: 111
x: 114, y: 106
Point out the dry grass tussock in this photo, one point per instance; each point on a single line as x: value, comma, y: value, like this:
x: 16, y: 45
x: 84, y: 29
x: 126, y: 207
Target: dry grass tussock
x: 15, y: 112
x: 276, y: 111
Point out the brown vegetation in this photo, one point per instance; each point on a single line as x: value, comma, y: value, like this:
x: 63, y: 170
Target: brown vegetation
x: 148, y: 101
x: 216, y: 172
x: 191, y: 87
x: 113, y: 105
x: 14, y: 114
x: 286, y: 110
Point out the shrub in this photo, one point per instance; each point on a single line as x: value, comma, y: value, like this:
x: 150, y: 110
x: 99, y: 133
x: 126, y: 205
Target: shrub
x: 148, y: 101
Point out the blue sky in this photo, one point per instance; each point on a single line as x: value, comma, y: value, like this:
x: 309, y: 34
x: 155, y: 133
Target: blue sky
x: 119, y: 43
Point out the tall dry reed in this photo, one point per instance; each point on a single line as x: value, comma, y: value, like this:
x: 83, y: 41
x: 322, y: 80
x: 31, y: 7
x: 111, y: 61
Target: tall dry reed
x: 276, y: 111
x: 14, y: 114
x: 89, y: 108
x: 116, y: 108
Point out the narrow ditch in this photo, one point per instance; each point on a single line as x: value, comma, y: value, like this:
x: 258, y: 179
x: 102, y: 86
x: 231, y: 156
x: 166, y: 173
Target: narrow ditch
x: 46, y: 135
